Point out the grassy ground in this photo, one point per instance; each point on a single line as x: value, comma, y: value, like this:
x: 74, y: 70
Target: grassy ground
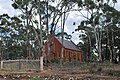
x: 83, y: 71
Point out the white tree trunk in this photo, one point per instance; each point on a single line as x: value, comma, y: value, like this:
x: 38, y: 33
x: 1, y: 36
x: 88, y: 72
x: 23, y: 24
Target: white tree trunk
x: 98, y: 44
x: 41, y: 63
x: 99, y: 47
x: 41, y: 38
x: 1, y: 64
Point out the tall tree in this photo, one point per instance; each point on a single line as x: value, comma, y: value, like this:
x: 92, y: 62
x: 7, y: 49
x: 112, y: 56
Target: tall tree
x: 99, y: 17
x: 12, y: 35
x: 30, y: 11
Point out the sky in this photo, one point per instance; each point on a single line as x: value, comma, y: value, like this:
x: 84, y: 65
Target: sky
x: 5, y: 7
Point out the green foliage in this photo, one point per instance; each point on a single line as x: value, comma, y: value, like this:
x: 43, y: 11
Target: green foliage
x: 97, y: 20
x: 66, y: 36
x: 15, y: 6
x: 80, y: 3
x: 35, y: 79
x: 20, y: 3
x: 13, y: 36
x: 110, y: 73
x: 55, y: 60
x: 14, y: 31
x: 99, y: 69
x: 113, y: 73
x: 94, y: 68
x: 103, y: 15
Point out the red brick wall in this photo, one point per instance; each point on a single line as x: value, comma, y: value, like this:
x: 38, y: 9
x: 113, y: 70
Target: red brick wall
x: 68, y: 54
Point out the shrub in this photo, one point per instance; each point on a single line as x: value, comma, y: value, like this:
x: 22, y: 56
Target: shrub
x: 55, y: 60
x: 99, y: 69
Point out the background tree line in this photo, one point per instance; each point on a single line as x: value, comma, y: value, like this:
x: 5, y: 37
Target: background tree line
x: 23, y: 36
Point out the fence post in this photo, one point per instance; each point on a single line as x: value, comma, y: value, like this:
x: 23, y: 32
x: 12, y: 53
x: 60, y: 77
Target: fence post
x: 1, y: 64
x: 41, y: 63
x: 19, y: 64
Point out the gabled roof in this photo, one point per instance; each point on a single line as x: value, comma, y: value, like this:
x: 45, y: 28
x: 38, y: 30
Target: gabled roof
x: 69, y: 44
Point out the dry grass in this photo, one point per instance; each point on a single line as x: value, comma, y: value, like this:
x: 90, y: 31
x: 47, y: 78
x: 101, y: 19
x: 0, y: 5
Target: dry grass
x: 83, y: 71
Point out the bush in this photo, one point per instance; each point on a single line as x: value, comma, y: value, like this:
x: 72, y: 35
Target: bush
x: 94, y: 68
x: 55, y: 60
x: 114, y: 73
x: 99, y: 69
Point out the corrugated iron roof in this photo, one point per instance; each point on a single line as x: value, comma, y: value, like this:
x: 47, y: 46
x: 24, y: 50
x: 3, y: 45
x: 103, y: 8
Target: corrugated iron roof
x: 69, y: 44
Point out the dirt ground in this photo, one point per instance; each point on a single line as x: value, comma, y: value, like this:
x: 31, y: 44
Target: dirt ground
x: 83, y: 71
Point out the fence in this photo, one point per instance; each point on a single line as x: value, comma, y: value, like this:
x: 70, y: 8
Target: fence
x: 22, y: 65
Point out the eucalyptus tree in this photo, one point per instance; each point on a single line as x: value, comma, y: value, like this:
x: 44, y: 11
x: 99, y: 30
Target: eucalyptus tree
x: 98, y: 14
x: 111, y: 19
x: 57, y: 12
x: 31, y: 9
x: 116, y: 34
x: 86, y: 35
x: 12, y: 34
x: 42, y: 10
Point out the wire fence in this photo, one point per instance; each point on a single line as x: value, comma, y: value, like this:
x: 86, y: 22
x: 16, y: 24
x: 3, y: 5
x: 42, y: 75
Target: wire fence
x: 21, y: 65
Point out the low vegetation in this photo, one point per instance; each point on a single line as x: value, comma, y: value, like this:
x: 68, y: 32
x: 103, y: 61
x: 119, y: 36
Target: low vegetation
x: 82, y: 71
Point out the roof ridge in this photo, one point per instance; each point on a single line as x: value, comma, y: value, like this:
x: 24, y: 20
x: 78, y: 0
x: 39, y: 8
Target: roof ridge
x: 68, y: 44
x: 75, y: 45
